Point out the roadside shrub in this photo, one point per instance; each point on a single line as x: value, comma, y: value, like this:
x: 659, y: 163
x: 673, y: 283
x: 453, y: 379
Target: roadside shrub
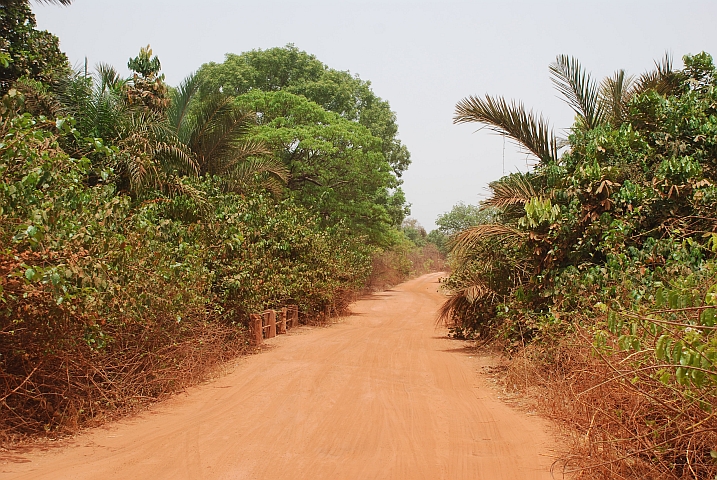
x: 109, y: 301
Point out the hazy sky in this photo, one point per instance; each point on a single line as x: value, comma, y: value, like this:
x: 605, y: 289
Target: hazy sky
x: 421, y: 56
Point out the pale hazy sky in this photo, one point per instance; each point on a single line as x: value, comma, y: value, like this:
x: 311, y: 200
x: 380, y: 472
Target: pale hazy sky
x: 421, y: 56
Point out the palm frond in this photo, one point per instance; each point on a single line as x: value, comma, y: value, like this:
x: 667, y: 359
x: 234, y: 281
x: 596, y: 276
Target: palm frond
x: 578, y: 89
x: 257, y: 172
x: 663, y: 79
x: 98, y: 109
x: 108, y: 78
x: 174, y: 186
x: 615, y: 95
x: 470, y: 238
x: 531, y: 131
x: 182, y: 98
x: 219, y: 134
x: 64, y: 3
x: 152, y: 151
x: 241, y: 152
x: 476, y: 291
x: 513, y: 189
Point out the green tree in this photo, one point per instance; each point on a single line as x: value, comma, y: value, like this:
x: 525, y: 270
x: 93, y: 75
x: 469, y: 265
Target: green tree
x: 147, y: 87
x: 414, y: 231
x: 336, y: 166
x: 300, y: 73
x: 463, y: 216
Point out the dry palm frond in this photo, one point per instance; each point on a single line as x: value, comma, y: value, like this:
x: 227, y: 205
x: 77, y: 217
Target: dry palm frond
x: 615, y: 95
x: 476, y: 291
x: 451, y: 305
x: 531, y: 131
x: 152, y: 153
x: 140, y: 170
x: 663, y: 79
x: 469, y: 238
x: 514, y: 189
x: 580, y: 92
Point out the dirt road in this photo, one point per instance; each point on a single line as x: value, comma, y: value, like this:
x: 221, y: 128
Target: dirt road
x: 380, y: 395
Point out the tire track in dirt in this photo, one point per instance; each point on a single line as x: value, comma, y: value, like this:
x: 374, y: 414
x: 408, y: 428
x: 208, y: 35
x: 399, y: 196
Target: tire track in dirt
x: 380, y: 395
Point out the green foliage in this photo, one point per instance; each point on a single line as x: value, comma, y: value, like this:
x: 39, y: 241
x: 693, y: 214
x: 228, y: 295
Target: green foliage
x: 26, y: 51
x: 259, y: 252
x: 618, y: 188
x: 336, y: 166
x: 294, y: 71
x: 439, y: 239
x: 613, y: 240
x: 414, y: 232
x: 463, y: 216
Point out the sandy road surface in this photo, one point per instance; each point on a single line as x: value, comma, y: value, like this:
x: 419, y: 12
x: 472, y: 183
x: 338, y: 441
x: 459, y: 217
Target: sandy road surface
x: 378, y: 396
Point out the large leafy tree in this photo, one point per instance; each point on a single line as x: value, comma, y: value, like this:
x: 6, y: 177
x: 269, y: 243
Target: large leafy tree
x: 300, y: 73
x: 337, y: 167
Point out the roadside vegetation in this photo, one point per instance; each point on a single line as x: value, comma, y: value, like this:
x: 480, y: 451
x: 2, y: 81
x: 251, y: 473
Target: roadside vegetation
x: 141, y: 223
x: 596, y: 269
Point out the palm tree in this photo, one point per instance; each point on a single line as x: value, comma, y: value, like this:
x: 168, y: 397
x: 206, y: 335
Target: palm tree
x: 216, y: 132
x: 593, y: 103
x: 150, y: 154
x: 481, y: 266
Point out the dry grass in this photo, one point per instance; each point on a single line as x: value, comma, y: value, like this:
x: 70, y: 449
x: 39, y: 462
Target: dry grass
x: 624, y: 423
x: 52, y: 382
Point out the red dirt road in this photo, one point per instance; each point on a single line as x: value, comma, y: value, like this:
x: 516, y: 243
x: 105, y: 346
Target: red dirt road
x: 380, y: 395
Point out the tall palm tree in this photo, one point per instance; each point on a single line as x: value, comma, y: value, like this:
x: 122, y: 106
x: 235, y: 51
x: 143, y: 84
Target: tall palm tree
x: 215, y: 131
